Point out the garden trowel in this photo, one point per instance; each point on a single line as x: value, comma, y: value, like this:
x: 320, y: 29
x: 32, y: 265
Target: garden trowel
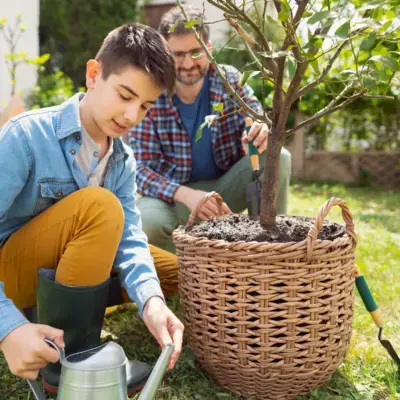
x: 376, y: 314
x: 253, y: 189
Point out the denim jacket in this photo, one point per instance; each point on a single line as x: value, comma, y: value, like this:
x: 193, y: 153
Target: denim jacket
x: 37, y: 168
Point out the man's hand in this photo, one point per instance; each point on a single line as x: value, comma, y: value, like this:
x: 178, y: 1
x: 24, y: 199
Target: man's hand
x: 258, y: 133
x: 26, y: 352
x: 191, y: 197
x: 164, y: 326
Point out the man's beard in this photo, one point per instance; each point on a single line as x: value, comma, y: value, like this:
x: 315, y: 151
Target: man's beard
x: 193, y: 79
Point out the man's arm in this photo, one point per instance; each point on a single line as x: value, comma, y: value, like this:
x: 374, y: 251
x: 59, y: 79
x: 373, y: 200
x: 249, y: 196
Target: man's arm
x: 150, y: 161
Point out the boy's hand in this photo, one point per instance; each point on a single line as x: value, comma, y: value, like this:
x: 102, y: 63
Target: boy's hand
x: 26, y: 352
x: 164, y: 326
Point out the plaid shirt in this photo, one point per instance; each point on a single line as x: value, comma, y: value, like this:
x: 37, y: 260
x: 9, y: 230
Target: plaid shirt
x: 162, y: 145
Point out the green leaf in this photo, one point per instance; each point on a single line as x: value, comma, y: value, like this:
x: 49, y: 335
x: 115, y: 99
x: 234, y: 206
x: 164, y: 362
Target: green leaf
x: 315, y: 66
x: 199, y: 133
x: 369, y: 42
x: 314, y: 44
x: 386, y: 26
x: 387, y: 62
x: 370, y: 83
x: 218, y: 107
x: 283, y: 16
x: 248, y: 75
x: 319, y: 16
x: 291, y: 65
x: 192, y: 23
x: 343, y: 30
x: 370, y: 6
x: 368, y: 23
x: 209, y: 119
x: 348, y: 71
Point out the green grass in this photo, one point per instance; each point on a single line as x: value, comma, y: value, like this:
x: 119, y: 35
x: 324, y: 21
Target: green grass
x: 367, y: 373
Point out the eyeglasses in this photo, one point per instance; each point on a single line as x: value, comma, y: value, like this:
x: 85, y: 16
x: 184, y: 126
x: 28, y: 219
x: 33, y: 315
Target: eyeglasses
x: 193, y: 54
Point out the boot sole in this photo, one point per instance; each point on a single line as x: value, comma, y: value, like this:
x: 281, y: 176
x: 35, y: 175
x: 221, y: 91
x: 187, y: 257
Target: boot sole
x: 54, y: 389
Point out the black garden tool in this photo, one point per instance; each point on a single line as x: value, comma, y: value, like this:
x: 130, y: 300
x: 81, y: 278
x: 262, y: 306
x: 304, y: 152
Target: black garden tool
x: 253, y: 189
x: 376, y: 314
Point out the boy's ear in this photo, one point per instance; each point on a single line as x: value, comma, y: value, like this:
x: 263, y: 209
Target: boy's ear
x: 209, y: 45
x: 93, y: 71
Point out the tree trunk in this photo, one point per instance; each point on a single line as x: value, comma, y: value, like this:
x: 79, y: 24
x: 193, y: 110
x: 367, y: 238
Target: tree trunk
x: 270, y: 181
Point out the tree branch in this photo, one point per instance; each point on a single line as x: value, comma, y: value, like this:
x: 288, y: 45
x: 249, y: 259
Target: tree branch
x: 240, y: 101
x: 328, y: 67
x: 220, y: 6
x: 325, y: 111
x: 246, y: 18
x: 377, y: 96
x: 299, y: 13
x: 271, y: 66
x: 278, y: 98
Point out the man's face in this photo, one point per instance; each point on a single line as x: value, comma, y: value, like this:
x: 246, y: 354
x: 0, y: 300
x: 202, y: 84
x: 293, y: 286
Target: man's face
x: 190, y: 59
x: 122, y: 100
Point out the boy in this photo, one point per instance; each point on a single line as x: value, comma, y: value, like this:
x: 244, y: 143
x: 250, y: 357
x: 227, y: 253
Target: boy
x: 68, y: 213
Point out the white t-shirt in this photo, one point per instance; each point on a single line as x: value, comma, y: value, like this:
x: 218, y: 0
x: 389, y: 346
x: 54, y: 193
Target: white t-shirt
x: 88, y: 159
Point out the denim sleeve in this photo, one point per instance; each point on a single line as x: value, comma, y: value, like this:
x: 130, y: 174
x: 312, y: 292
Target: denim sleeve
x: 10, y: 316
x: 15, y: 165
x: 133, y: 260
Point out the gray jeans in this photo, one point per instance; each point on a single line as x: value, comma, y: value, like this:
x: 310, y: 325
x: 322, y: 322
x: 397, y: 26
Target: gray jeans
x: 160, y: 218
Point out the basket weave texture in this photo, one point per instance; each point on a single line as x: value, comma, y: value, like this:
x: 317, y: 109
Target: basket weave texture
x: 268, y: 320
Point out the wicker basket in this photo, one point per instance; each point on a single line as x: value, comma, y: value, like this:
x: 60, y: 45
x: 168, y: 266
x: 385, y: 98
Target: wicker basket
x: 269, y: 320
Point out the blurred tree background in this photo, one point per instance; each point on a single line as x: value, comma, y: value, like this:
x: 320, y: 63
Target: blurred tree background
x: 366, y: 124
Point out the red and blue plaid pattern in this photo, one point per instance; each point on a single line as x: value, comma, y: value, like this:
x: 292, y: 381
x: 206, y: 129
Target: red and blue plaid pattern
x: 162, y: 145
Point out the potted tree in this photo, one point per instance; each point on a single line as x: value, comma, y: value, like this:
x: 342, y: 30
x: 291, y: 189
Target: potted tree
x: 268, y: 308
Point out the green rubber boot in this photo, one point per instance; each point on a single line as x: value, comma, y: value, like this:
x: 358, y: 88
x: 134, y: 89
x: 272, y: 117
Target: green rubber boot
x: 79, y: 312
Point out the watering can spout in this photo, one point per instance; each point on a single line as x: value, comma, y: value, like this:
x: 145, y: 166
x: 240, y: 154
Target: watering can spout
x: 153, y: 383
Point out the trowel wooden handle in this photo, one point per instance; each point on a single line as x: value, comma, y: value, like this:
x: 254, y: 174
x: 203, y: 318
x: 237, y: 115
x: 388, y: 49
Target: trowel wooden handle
x: 253, y: 151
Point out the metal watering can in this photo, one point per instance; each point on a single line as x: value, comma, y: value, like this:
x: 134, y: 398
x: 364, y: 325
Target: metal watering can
x: 100, y: 374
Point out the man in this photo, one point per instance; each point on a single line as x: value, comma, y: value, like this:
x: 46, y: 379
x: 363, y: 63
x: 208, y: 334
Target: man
x: 68, y: 212
x: 174, y: 169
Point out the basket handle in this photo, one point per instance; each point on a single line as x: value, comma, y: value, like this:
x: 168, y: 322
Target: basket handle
x: 207, y: 196
x: 319, y: 220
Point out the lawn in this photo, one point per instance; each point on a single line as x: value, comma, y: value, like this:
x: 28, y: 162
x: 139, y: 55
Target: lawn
x: 367, y: 373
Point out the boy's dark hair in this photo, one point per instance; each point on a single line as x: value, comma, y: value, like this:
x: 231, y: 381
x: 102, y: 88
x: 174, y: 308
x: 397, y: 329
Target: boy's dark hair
x: 173, y: 22
x: 140, y: 46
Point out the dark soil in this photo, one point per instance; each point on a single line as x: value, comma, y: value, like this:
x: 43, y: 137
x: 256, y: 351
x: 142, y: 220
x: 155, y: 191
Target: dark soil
x: 239, y: 227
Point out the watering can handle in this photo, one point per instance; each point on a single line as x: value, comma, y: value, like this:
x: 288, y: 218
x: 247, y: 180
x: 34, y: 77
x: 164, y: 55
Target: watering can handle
x: 61, y: 352
x: 37, y: 391
x: 34, y: 385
